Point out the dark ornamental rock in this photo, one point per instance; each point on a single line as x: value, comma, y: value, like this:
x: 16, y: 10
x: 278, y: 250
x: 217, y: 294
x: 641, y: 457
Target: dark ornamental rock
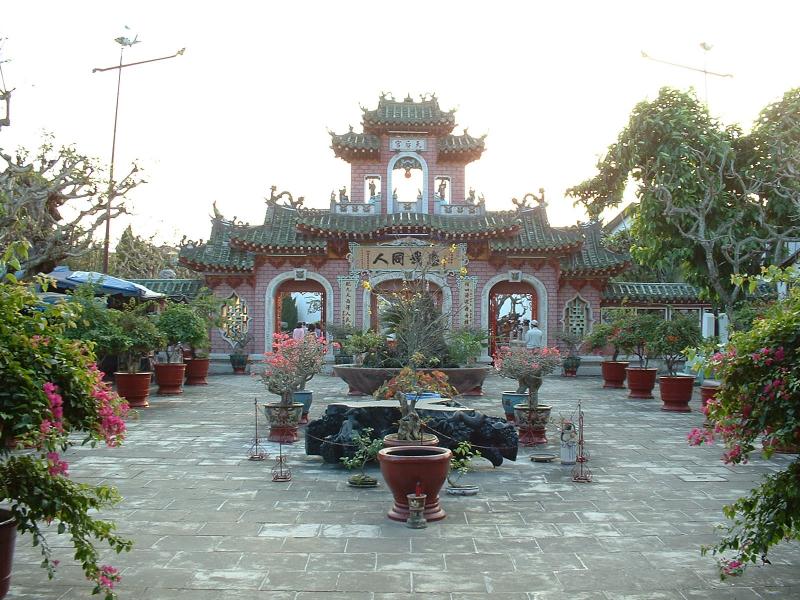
x: 453, y: 423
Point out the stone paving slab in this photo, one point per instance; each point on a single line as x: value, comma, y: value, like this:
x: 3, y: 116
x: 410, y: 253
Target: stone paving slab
x: 208, y: 524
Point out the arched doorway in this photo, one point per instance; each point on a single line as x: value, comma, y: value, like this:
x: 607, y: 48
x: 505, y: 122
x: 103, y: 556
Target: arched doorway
x: 510, y: 304
x: 297, y: 301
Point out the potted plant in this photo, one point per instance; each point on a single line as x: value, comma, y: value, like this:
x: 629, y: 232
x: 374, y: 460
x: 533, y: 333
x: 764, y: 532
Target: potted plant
x: 601, y: 337
x: 180, y: 325
x: 50, y: 388
x: 464, y: 346
x: 239, y: 356
x: 638, y: 336
x: 528, y: 366
x: 572, y: 340
x: 460, y: 465
x: 366, y: 449
x: 671, y: 340
x: 138, y: 338
x: 209, y: 308
x: 291, y: 364
x: 338, y: 338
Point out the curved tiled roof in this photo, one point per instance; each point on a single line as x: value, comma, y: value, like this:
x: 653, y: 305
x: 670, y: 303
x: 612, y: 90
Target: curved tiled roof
x: 217, y: 254
x: 667, y: 293
x: 593, y: 258
x: 173, y: 288
x: 355, y: 227
x: 278, y: 234
x: 458, y: 147
x: 355, y: 145
x: 536, y: 234
x: 408, y: 115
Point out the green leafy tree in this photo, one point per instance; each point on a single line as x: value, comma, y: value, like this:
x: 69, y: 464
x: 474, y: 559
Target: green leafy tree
x: 289, y: 312
x: 711, y: 198
x: 138, y: 258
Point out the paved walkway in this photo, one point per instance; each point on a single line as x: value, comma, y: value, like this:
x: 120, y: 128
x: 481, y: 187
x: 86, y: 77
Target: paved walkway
x: 210, y: 525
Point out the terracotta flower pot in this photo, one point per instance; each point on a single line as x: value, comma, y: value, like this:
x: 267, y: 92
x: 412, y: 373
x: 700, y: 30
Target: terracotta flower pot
x: 676, y: 392
x: 532, y: 424
x: 641, y: 382
x: 8, y: 533
x: 134, y: 387
x: 708, y: 391
x: 283, y: 421
x: 197, y: 371
x: 407, y: 468
x: 613, y: 373
x: 169, y: 377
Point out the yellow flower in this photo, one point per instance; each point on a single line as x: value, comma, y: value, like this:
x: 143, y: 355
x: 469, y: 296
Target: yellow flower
x: 462, y: 271
x: 453, y: 248
x: 366, y: 285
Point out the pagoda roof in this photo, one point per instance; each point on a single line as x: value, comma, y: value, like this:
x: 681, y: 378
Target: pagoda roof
x: 355, y: 145
x: 460, y: 147
x: 176, y: 289
x: 593, y: 258
x: 278, y: 235
x: 408, y: 115
x: 536, y: 235
x: 663, y: 293
x: 216, y: 254
x: 357, y: 227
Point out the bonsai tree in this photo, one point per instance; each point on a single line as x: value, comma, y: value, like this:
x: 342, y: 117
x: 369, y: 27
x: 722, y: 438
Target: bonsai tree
x: 365, y: 343
x: 51, y: 388
x: 407, y: 387
x: 604, y: 335
x: 571, y: 340
x: 637, y: 336
x: 181, y: 324
x: 527, y: 366
x: 138, y: 335
x: 672, y: 338
x: 461, y: 462
x: 291, y: 364
x: 759, y: 396
x: 464, y: 345
x: 367, y: 449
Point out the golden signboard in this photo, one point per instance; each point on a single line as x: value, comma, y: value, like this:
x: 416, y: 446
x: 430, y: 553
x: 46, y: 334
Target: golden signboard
x: 436, y: 257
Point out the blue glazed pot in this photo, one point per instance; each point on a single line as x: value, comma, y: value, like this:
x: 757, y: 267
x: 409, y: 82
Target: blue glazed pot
x: 422, y: 396
x: 305, y: 397
x: 509, y: 399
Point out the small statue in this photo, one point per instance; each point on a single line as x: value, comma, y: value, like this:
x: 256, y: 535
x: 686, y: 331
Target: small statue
x: 419, y: 194
x: 343, y: 195
x: 394, y: 194
x: 471, y: 196
x: 442, y: 188
x: 371, y: 189
x: 333, y: 196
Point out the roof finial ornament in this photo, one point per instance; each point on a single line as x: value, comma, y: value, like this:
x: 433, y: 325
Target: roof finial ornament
x: 351, y: 128
x: 290, y: 202
x: 217, y: 214
x: 408, y: 98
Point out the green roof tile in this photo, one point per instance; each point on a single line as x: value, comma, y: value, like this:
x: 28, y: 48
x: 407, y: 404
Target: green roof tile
x: 279, y: 231
x: 423, y: 115
x: 593, y: 257
x: 454, y: 147
x: 217, y: 254
x: 536, y: 234
x: 351, y: 144
x: 173, y: 288
x: 651, y: 292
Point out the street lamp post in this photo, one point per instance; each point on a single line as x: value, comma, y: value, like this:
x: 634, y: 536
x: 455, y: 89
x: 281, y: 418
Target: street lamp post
x: 124, y: 42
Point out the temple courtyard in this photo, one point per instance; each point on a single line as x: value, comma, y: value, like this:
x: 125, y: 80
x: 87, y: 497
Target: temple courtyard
x: 208, y: 524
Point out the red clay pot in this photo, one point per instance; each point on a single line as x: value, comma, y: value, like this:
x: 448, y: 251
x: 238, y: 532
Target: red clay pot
x: 169, y: 377
x: 676, y: 392
x: 8, y: 533
x: 641, y: 382
x: 708, y: 391
x: 197, y: 371
x: 613, y: 373
x: 134, y: 387
x: 283, y: 421
x: 406, y: 468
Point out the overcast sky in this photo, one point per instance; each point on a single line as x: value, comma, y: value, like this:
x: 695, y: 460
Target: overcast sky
x: 250, y: 103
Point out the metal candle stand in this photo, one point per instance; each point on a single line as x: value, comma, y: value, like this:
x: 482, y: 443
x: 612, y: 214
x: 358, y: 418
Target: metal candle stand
x: 280, y: 472
x: 581, y: 473
x: 257, y: 451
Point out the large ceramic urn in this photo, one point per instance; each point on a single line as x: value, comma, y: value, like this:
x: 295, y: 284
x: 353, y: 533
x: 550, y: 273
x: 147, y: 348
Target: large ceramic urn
x: 411, y: 469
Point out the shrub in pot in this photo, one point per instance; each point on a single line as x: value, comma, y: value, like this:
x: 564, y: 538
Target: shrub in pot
x: 49, y: 389
x: 602, y: 336
x: 239, y: 355
x: 670, y: 342
x: 528, y: 366
x: 209, y: 308
x: 366, y: 450
x: 637, y: 336
x: 180, y: 325
x: 573, y: 341
x: 288, y: 368
x: 464, y: 346
x: 138, y: 338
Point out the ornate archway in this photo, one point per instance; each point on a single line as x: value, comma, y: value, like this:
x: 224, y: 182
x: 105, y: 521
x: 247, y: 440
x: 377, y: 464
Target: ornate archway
x: 411, y: 157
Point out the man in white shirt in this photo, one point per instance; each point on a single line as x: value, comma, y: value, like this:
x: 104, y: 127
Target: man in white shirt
x: 299, y: 332
x: 533, y: 337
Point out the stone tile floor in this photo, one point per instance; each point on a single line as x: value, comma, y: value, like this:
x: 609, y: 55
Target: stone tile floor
x: 209, y: 524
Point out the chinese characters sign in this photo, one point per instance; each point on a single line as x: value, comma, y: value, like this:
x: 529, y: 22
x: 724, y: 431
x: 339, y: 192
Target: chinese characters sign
x: 408, y: 258
x: 407, y: 144
x: 467, y: 288
x: 347, y: 297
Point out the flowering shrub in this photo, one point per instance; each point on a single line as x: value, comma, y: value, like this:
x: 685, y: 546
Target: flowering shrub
x: 527, y: 366
x: 637, y: 334
x: 49, y: 388
x: 759, y: 396
x: 291, y: 364
x: 673, y: 337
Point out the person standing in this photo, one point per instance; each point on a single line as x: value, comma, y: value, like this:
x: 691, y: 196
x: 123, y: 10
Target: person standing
x: 299, y: 332
x: 534, y: 335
